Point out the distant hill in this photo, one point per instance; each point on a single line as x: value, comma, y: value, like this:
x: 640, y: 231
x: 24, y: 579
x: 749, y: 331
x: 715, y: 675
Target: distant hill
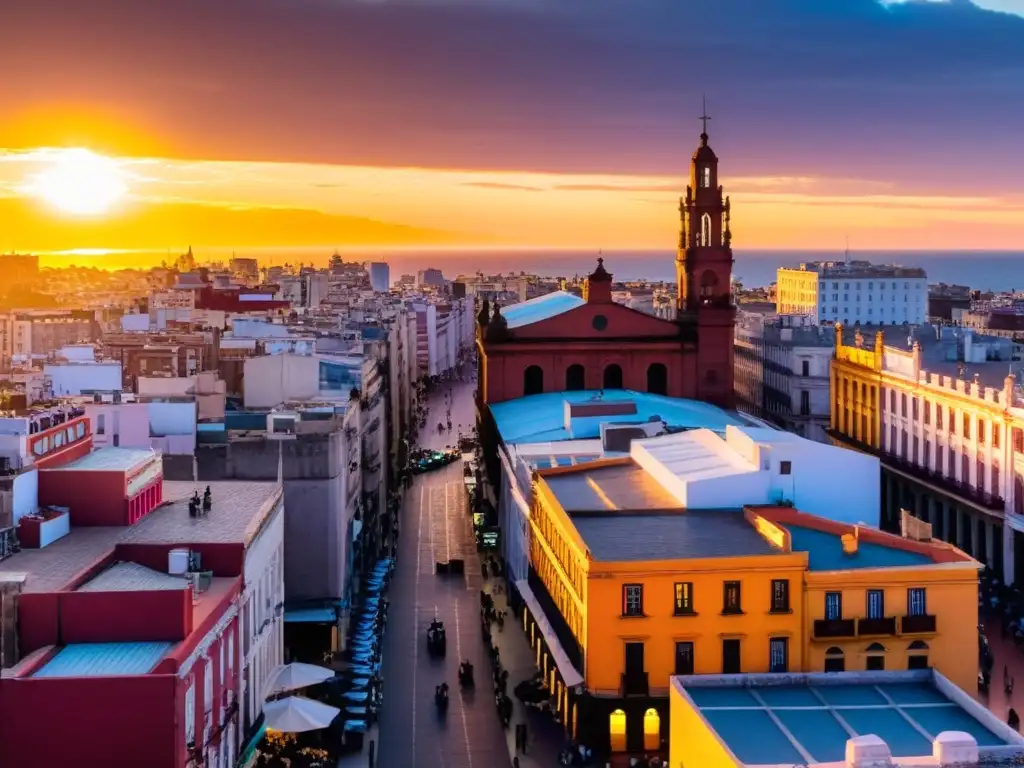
x: 28, y: 226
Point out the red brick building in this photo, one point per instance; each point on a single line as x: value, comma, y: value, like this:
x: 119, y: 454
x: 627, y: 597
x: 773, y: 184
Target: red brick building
x: 561, y: 342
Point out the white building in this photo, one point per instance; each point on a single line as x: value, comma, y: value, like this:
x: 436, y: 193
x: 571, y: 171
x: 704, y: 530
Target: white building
x: 852, y: 292
x: 782, y: 371
x: 72, y: 379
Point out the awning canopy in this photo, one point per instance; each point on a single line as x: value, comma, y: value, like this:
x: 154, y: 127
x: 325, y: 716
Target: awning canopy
x: 311, y: 616
x: 570, y: 676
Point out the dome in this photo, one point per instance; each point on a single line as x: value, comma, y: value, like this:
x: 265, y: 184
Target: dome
x: 704, y: 153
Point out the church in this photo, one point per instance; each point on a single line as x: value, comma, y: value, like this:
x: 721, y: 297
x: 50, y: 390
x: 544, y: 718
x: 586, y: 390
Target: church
x: 561, y: 342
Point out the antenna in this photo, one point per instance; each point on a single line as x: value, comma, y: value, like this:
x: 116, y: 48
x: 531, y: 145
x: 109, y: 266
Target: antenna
x: 704, y: 115
x: 846, y: 253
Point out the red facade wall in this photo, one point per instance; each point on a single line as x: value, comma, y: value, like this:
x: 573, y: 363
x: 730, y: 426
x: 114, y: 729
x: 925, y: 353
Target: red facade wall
x: 94, y: 498
x: 72, y: 447
x: 115, y: 722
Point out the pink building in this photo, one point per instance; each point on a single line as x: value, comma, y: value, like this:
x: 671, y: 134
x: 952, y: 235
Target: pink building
x: 145, y: 644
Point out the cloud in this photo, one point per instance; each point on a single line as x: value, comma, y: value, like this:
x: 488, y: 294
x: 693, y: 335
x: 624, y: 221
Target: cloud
x: 502, y: 185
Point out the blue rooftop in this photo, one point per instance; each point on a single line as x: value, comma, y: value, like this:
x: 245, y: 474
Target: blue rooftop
x: 541, y: 418
x: 825, y: 552
x: 810, y: 722
x: 540, y: 308
x: 104, y: 659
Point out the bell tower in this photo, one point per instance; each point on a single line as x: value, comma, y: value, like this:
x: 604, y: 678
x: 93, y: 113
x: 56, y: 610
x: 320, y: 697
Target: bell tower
x: 704, y: 273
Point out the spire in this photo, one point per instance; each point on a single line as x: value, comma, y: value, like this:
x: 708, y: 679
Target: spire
x: 704, y: 120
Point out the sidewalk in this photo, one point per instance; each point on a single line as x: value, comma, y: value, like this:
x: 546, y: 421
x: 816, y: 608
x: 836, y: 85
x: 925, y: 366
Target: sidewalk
x: 545, y: 736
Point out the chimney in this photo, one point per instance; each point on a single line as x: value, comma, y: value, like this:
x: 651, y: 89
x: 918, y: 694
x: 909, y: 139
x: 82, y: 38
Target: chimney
x: 955, y: 748
x: 867, y: 751
x: 850, y: 542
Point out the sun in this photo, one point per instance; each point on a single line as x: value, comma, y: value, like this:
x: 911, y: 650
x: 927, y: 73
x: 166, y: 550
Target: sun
x: 80, y: 182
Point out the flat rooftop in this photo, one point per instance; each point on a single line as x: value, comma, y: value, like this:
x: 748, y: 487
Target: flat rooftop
x: 541, y: 418
x: 108, y: 460
x: 679, y: 535
x: 622, y: 486
x: 808, y: 719
x: 825, y: 552
x: 104, y: 659
x: 239, y: 512
x: 131, y: 577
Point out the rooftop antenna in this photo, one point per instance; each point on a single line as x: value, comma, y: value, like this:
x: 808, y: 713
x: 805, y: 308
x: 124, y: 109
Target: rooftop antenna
x: 846, y: 253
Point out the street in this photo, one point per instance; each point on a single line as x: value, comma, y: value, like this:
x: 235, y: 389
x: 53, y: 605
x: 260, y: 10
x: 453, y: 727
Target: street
x: 434, y: 522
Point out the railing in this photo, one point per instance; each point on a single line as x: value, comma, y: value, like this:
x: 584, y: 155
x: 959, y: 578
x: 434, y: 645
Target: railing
x: 936, y: 478
x: 913, y: 625
x: 883, y: 626
x: 635, y: 684
x: 835, y: 628
x: 9, y: 544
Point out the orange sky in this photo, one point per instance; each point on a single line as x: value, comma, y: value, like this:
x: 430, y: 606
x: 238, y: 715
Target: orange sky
x: 169, y: 204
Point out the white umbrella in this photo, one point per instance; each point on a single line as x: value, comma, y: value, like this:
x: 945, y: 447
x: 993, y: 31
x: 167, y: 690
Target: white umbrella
x: 297, y: 714
x: 291, y: 677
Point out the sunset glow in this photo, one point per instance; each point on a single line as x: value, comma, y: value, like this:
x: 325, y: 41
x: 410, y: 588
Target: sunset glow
x: 79, y: 182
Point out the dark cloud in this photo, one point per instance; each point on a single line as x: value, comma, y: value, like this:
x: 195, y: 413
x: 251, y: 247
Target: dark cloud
x: 924, y: 93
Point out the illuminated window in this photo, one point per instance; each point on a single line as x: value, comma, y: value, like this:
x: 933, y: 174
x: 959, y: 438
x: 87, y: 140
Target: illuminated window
x: 705, y: 179
x: 617, y: 730
x: 683, y: 598
x: 652, y: 730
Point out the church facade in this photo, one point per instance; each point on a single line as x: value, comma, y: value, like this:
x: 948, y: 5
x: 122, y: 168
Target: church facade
x: 561, y: 342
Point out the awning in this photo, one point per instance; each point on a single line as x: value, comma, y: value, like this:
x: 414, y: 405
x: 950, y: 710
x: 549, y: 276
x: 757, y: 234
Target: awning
x: 566, y: 670
x: 311, y: 616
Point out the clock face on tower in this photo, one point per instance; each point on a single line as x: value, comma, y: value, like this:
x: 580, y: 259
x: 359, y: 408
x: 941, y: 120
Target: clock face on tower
x: 600, y: 322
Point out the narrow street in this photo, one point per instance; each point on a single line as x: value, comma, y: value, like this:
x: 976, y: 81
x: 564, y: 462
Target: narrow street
x: 434, y: 520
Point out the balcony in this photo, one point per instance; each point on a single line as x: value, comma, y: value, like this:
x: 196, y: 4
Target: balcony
x: 635, y: 684
x: 827, y: 628
x: 917, y: 625
x: 933, y: 477
x: 883, y: 626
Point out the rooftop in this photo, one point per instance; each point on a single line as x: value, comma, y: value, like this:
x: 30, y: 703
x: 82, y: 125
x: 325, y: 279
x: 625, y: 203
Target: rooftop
x: 131, y: 577
x: 679, y: 535
x: 109, y: 460
x: 239, y: 511
x: 825, y: 552
x: 604, y: 488
x: 788, y: 720
x: 541, y: 418
x: 540, y: 308
x: 104, y: 659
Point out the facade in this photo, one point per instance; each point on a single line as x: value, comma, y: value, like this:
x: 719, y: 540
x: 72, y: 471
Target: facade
x: 852, y: 292
x: 834, y: 720
x: 561, y: 342
x: 31, y: 334
x: 947, y: 423
x: 628, y: 587
x: 782, y: 372
x: 380, y: 276
x: 176, y: 615
x: 429, y: 278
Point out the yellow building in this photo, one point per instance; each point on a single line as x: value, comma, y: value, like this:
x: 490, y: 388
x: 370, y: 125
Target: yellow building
x: 943, y: 417
x: 627, y: 589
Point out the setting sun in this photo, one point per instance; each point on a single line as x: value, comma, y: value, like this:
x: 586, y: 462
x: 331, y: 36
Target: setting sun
x: 80, y: 182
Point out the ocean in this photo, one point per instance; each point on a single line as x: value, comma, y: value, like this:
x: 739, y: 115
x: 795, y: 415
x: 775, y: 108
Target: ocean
x: 984, y: 270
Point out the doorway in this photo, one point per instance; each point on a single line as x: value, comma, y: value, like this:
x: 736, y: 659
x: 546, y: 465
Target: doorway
x: 684, y: 658
x: 731, y: 656
x: 613, y: 377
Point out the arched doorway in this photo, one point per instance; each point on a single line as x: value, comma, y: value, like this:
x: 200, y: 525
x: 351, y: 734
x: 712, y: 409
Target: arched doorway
x: 652, y: 730
x: 575, y: 376
x: 917, y: 655
x: 613, y: 377
x: 835, y: 661
x: 533, y: 380
x: 657, y: 379
x: 617, y: 730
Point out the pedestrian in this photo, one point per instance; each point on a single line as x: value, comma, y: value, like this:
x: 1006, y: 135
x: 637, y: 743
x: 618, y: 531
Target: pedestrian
x: 515, y: 762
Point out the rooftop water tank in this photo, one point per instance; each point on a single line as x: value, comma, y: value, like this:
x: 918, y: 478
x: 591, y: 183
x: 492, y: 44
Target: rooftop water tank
x: 177, y: 562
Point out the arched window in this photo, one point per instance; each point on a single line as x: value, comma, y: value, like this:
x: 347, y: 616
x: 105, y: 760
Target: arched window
x: 617, y: 730
x: 705, y: 229
x: 835, y: 661
x: 533, y: 380
x: 613, y: 377
x: 657, y: 379
x: 574, y: 378
x: 917, y: 655
x: 708, y: 285
x: 652, y: 730
x: 875, y: 657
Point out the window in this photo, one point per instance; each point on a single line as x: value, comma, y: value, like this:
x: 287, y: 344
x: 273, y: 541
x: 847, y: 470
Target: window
x: 876, y: 604
x: 876, y: 657
x: 914, y: 407
x: 683, y: 598
x: 805, y: 403
x: 101, y: 424
x: 917, y: 604
x: 780, y: 595
x: 833, y: 606
x: 996, y: 432
x: 835, y: 660
x: 684, y: 658
x: 927, y: 412
x: 613, y: 377
x: 785, y: 467
x: 981, y: 432
x: 938, y: 417
x: 533, y: 380
x: 952, y: 421
x: 917, y: 655
x: 778, y: 653
x: 903, y: 403
x: 805, y: 367
x: 705, y: 179
x: 731, y: 597
x: 892, y: 401
x: 575, y: 376
x: 967, y: 426
x: 633, y: 600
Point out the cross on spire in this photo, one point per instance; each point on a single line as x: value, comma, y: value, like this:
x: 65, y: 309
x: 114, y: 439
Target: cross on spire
x: 704, y: 118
